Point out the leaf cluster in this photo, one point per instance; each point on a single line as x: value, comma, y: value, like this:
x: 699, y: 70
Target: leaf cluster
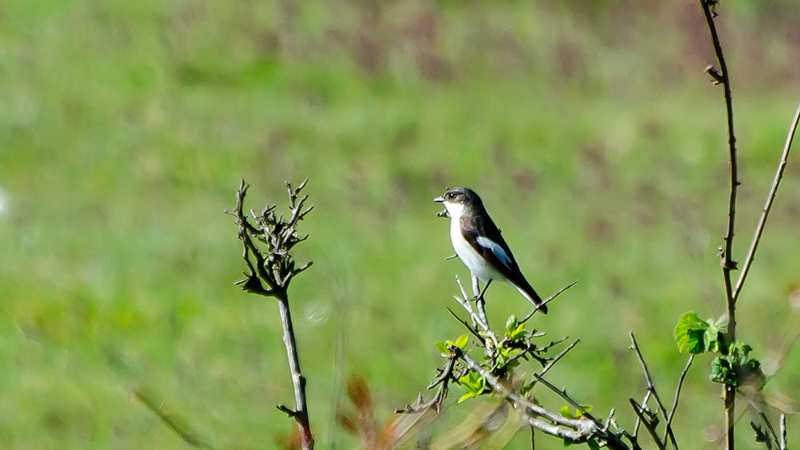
x: 733, y: 365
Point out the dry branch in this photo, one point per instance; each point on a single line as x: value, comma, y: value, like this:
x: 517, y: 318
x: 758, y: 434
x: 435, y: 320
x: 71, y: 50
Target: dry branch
x: 266, y: 253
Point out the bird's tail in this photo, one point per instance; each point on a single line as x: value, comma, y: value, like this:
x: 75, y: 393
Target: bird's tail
x: 528, y: 292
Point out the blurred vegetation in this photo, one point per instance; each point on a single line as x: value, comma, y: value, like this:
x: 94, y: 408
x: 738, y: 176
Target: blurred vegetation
x: 587, y: 126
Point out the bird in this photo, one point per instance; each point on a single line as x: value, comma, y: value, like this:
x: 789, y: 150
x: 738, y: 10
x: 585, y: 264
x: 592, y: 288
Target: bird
x: 480, y: 246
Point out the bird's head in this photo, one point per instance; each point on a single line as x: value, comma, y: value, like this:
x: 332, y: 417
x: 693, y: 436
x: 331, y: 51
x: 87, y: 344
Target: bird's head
x: 459, y: 199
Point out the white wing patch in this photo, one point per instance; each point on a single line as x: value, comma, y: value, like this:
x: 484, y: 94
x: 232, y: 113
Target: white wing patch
x: 498, y: 251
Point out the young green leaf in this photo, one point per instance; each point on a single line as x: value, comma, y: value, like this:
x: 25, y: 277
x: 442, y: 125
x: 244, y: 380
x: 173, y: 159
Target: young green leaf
x: 442, y: 348
x: 461, y: 342
x: 516, y: 333
x: 690, y: 333
x: 511, y: 323
x: 592, y: 443
x: 566, y: 411
x: 721, y: 371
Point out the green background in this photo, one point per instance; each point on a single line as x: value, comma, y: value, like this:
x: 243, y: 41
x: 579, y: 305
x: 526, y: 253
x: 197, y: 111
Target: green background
x: 588, y: 127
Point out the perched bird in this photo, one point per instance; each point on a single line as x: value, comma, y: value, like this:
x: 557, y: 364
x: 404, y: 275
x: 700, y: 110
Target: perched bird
x: 480, y: 246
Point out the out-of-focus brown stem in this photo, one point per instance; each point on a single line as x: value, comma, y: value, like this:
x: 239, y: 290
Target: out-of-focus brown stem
x: 762, y: 221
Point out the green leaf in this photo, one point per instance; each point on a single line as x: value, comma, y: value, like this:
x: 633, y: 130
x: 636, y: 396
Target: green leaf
x: 462, y: 340
x: 511, y: 323
x: 517, y: 333
x: 442, y: 348
x: 468, y: 384
x: 465, y: 397
x: 721, y: 323
x: 592, y: 443
x: 696, y: 341
x: 690, y: 333
x: 721, y: 371
x: 473, y: 383
x: 716, y: 339
x: 566, y: 411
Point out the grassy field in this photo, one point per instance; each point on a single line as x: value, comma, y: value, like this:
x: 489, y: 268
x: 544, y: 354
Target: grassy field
x: 588, y: 128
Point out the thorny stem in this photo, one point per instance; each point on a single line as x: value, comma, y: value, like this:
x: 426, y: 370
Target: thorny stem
x: 728, y: 264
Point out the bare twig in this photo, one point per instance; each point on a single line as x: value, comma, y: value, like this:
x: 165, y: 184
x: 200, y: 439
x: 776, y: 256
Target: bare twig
x: 274, y: 267
x: 173, y: 423
x: 727, y: 262
x: 563, y: 394
x: 548, y: 300
x: 639, y: 410
x: 652, y: 388
x: 762, y: 221
x: 638, y: 419
x: 783, y: 442
x: 478, y: 318
x: 466, y: 325
x: 767, y: 422
x: 442, y: 380
x: 678, y: 394
x: 558, y: 357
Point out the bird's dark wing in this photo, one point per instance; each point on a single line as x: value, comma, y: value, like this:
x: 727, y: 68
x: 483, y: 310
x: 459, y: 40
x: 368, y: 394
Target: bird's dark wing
x: 484, y: 236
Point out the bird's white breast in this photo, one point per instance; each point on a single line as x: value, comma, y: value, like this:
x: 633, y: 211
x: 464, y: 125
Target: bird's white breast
x: 474, y: 261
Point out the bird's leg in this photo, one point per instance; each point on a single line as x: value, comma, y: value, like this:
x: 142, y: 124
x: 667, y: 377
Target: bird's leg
x: 476, y: 287
x: 485, y: 288
x: 480, y: 305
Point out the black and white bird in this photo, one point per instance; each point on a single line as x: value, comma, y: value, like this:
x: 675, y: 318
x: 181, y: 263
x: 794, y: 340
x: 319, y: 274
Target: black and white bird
x: 480, y: 246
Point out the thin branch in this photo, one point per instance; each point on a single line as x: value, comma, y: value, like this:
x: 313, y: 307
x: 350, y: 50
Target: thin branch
x: 491, y: 340
x: 442, y: 380
x: 728, y: 264
x: 563, y: 394
x: 298, y: 380
x: 548, y: 300
x: 678, y: 393
x: 639, y: 410
x: 766, y: 420
x: 762, y: 221
x: 652, y: 388
x: 466, y: 325
x: 783, y: 442
x: 173, y: 423
x: 558, y: 357
x: 638, y: 423
x: 500, y: 388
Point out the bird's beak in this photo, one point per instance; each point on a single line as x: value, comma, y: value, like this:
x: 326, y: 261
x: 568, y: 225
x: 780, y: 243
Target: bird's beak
x: 438, y: 200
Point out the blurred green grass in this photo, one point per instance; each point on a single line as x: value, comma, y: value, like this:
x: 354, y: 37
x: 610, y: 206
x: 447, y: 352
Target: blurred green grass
x: 596, y: 143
